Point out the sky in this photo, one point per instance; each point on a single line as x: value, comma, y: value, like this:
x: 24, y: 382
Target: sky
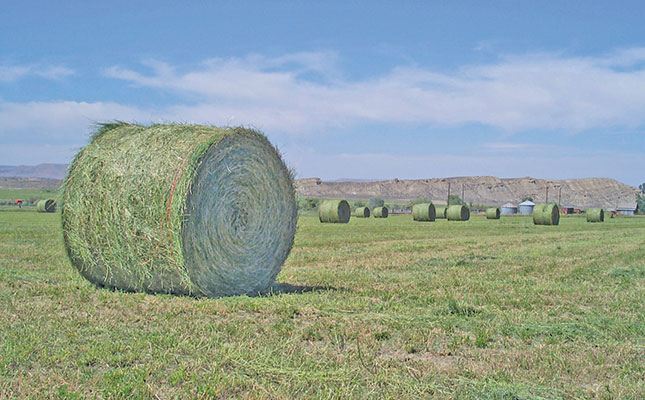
x: 345, y: 89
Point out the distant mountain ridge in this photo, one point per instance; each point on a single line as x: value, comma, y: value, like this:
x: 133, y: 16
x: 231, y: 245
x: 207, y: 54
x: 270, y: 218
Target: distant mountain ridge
x: 43, y: 171
x: 587, y: 192
x: 583, y: 193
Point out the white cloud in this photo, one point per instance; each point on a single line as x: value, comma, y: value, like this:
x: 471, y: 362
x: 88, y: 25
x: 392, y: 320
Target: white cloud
x: 64, y: 121
x: 536, y: 91
x: 12, y: 73
x: 306, y: 93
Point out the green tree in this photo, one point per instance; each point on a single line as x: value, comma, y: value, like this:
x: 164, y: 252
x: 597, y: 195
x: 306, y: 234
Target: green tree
x: 529, y: 198
x: 640, y: 202
x: 307, y: 203
x: 376, y: 202
x: 455, y: 200
x: 642, y: 187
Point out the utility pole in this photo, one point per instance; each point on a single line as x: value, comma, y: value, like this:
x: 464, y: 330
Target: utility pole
x: 463, y: 200
x: 448, y: 201
x: 559, y: 196
x: 547, y: 195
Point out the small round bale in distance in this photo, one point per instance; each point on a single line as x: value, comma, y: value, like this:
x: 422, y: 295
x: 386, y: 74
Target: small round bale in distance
x: 46, y: 206
x: 458, y: 213
x: 595, y: 215
x: 493, y: 213
x: 362, y: 212
x: 440, y: 212
x: 380, y: 212
x: 546, y: 214
x: 423, y: 212
x: 334, y: 211
x: 180, y: 209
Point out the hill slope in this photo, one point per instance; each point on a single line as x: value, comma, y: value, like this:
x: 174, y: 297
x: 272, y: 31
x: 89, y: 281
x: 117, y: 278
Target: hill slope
x: 45, y: 171
x: 588, y: 192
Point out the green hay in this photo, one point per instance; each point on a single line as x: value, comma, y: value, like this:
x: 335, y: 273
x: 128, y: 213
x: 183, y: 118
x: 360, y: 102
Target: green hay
x: 179, y: 209
x: 595, y: 215
x: 362, y: 212
x: 334, y: 211
x: 546, y: 214
x: 440, y: 212
x: 423, y: 212
x: 493, y: 213
x: 46, y: 206
x: 381, y: 212
x: 458, y: 213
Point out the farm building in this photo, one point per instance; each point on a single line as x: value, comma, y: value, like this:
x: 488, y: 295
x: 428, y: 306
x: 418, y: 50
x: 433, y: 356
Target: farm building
x: 526, y: 207
x: 625, y: 209
x: 509, y: 209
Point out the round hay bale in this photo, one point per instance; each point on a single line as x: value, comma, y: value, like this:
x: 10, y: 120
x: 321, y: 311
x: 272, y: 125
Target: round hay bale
x: 493, y: 213
x: 595, y: 215
x: 380, y: 212
x: 440, y: 212
x: 423, y: 212
x: 179, y: 209
x: 362, y: 212
x: 546, y: 214
x: 334, y: 211
x: 458, y: 213
x: 46, y: 206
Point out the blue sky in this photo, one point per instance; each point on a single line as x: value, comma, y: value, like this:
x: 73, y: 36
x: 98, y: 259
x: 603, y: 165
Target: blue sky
x: 345, y: 89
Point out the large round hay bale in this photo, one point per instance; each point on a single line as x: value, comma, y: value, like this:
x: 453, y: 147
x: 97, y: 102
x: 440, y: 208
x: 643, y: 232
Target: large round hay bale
x: 595, y: 215
x: 46, y: 206
x: 334, y: 211
x: 380, y: 212
x: 362, y: 212
x: 546, y: 214
x: 458, y: 213
x: 180, y: 209
x: 440, y: 212
x: 423, y: 212
x: 493, y: 213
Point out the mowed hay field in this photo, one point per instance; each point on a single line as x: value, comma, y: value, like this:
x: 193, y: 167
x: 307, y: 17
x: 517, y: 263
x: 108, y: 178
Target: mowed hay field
x: 374, y: 308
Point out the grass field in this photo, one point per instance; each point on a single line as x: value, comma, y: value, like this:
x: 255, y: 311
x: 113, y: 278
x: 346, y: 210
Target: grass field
x: 371, y: 309
x: 29, y: 196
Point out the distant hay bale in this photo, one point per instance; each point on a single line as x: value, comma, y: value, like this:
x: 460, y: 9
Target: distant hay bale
x: 362, y: 212
x: 423, y: 212
x: 458, y: 213
x: 493, y: 213
x: 334, y: 211
x: 440, y: 212
x: 179, y: 209
x: 595, y: 215
x: 46, y: 206
x: 380, y: 212
x: 546, y: 214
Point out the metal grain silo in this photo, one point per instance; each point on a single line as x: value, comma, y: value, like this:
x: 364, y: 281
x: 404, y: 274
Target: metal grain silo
x: 509, y: 209
x: 526, y: 207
